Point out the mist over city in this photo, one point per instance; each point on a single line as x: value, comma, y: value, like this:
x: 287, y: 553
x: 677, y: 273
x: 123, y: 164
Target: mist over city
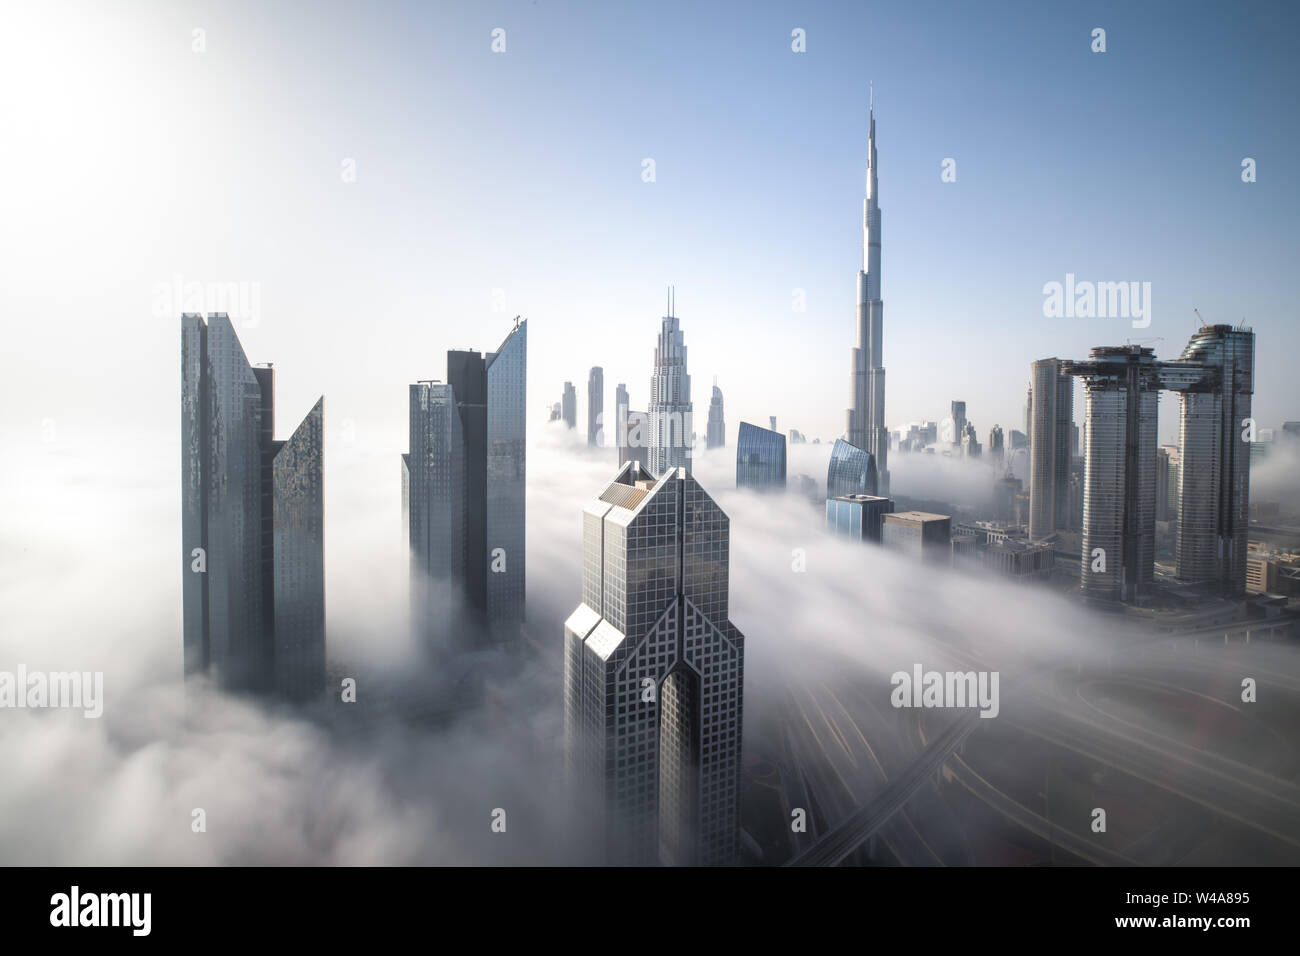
x: 446, y: 436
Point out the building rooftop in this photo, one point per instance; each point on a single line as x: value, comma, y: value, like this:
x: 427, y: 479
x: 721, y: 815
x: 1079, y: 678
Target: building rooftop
x: 917, y: 516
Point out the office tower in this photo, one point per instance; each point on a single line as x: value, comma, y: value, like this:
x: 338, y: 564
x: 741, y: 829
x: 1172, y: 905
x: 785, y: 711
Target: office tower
x: 622, y: 404
x: 670, y: 399
x: 1019, y: 439
x: 970, y: 443
x: 556, y: 412
x: 996, y: 449
x: 465, y: 475
x: 851, y: 471
x: 1052, y: 410
x: 1168, y: 464
x: 772, y: 422
x: 252, y: 513
x: 797, y: 437
x: 716, y: 436
x: 1214, y: 473
x: 958, y: 422
x: 595, y: 407
x: 654, y: 675
x: 1074, y: 440
x: 433, y: 478
x: 1119, y: 501
x: 760, y: 458
x: 866, y: 415
x: 1005, y: 493
x: 857, y: 516
x: 919, y: 534
x: 569, y: 405
x: 636, y: 446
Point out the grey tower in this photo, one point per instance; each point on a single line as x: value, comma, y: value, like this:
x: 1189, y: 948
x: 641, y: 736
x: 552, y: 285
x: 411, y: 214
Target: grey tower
x: 670, y: 399
x: 595, y: 407
x: 1119, y: 493
x: 851, y: 471
x: 717, y: 431
x: 569, y: 406
x: 654, y: 675
x: 1214, y: 474
x: 252, y: 514
x: 622, y: 405
x: 958, y: 422
x: 866, y: 416
x: 1051, y: 412
x: 465, y: 480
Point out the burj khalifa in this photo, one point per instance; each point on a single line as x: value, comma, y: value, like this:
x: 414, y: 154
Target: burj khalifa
x: 866, y: 417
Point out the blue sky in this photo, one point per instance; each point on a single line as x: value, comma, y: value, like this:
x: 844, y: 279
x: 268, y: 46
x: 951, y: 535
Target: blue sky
x: 139, y: 159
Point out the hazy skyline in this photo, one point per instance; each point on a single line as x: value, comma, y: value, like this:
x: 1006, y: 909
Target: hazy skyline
x: 141, y: 161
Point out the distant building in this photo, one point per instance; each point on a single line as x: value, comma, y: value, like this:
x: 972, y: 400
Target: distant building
x: 970, y: 444
x: 1019, y: 560
x: 716, y: 436
x: 996, y: 448
x: 919, y: 534
x: 670, y: 399
x: 595, y: 407
x: 857, y: 516
x: 569, y: 405
x: 1005, y: 493
x: 556, y: 412
x: 760, y: 458
x: 1052, y: 413
x: 958, y: 423
x: 1168, y: 463
x: 1019, y: 439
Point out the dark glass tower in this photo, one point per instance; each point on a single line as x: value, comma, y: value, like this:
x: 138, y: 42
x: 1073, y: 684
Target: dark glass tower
x: 760, y: 458
x: 252, y: 510
x: 851, y: 471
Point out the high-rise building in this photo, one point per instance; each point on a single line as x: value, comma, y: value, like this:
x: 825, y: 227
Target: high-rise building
x: 716, y: 436
x: 670, y: 399
x: 851, y: 471
x: 465, y: 478
x: 919, y: 534
x: 636, y: 443
x: 654, y: 675
x: 1214, y: 473
x: 556, y: 412
x: 1052, y: 412
x: 996, y: 448
x: 596, y: 407
x: 622, y: 405
x: 252, y: 516
x: 1119, y: 501
x: 760, y: 458
x: 970, y: 443
x: 958, y: 423
x: 857, y: 516
x: 866, y: 415
x: 1019, y: 439
x: 569, y: 405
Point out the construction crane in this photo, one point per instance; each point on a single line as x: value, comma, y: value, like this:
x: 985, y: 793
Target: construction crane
x: 1200, y: 317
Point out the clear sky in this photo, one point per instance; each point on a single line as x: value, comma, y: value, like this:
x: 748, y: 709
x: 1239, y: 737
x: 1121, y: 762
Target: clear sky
x: 133, y: 159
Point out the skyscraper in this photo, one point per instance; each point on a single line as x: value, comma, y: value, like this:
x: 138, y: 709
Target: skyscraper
x: 1214, y: 475
x: 465, y: 477
x: 717, y: 432
x: 866, y: 415
x: 595, y: 407
x: 760, y: 458
x: 569, y: 405
x: 670, y: 399
x: 252, y: 515
x: 851, y: 471
x: 1051, y: 407
x: 1168, y: 461
x: 996, y: 447
x: 654, y: 675
x: 1119, y: 500
x: 958, y: 423
x: 622, y: 405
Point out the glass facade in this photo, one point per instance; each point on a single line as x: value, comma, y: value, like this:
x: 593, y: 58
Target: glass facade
x: 1051, y: 409
x: 299, y: 560
x: 670, y: 401
x: 857, y: 516
x: 852, y: 471
x: 507, y: 382
x: 654, y: 674
x: 229, y: 499
x: 760, y: 458
x: 435, y: 509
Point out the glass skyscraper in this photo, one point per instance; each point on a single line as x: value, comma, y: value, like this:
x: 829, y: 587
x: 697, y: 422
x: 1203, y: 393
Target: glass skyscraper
x: 654, y: 675
x: 760, y: 458
x: 1051, y: 413
x: 252, y: 514
x: 716, y: 436
x: 595, y: 406
x: 464, y: 478
x: 851, y: 471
